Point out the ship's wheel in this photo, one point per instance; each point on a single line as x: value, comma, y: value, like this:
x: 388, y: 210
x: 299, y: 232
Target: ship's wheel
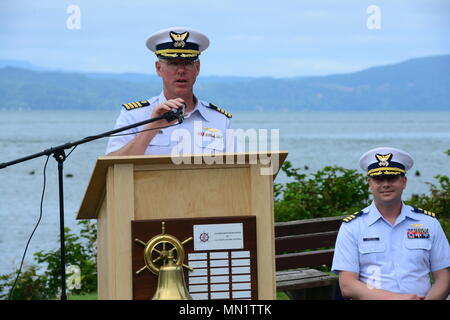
x: 162, y: 247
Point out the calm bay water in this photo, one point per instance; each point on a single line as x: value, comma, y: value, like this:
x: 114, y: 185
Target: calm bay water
x: 314, y: 139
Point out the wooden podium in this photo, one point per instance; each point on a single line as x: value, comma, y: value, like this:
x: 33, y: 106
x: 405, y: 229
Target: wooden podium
x: 125, y: 189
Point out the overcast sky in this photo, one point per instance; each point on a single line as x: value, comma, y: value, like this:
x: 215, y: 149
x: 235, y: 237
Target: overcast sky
x: 282, y: 38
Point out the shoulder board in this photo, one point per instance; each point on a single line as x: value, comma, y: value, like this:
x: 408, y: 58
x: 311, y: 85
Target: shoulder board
x: 428, y: 213
x: 352, y: 216
x: 135, y: 105
x: 214, y: 107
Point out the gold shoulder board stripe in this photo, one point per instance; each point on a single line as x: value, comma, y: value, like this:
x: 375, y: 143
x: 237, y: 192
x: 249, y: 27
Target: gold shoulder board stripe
x: 135, y: 105
x: 227, y: 114
x: 428, y: 213
x: 352, y: 216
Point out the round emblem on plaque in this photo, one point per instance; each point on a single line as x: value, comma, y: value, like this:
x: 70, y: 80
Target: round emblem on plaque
x: 204, y: 237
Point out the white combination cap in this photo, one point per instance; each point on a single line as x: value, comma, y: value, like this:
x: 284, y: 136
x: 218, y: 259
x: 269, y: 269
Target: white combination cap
x: 178, y: 43
x: 386, y: 161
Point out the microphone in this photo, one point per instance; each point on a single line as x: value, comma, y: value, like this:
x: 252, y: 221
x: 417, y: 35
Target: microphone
x: 173, y: 115
x: 180, y: 113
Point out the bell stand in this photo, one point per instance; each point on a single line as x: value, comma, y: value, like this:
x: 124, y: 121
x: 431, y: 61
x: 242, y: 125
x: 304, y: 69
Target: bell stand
x: 60, y: 156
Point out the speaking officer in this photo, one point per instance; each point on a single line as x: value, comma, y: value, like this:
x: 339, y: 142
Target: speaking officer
x: 387, y: 250
x: 204, y: 127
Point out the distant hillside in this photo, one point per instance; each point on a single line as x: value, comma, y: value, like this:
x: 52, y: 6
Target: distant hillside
x: 417, y: 84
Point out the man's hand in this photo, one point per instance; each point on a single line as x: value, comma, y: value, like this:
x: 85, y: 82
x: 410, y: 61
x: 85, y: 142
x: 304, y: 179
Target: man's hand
x: 139, y: 144
x: 162, y: 108
x: 353, y: 288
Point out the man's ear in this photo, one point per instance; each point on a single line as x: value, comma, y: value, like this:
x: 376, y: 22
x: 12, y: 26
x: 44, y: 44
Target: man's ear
x: 405, y: 180
x: 198, y: 66
x: 158, y: 67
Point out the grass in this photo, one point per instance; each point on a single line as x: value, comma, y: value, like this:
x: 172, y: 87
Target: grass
x: 282, y: 296
x: 89, y: 296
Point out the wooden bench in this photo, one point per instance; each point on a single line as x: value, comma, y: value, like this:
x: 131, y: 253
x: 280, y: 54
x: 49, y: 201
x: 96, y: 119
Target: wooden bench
x: 301, y: 246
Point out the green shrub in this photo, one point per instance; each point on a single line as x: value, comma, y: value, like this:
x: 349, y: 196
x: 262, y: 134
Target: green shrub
x: 437, y: 200
x: 31, y: 285
x: 35, y: 284
x: 331, y: 191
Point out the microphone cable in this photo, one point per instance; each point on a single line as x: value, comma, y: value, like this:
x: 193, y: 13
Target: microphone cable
x: 32, y: 233
x: 179, y: 114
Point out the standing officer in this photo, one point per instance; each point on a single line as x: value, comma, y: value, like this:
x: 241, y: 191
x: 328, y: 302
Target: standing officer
x: 204, y: 127
x: 387, y: 250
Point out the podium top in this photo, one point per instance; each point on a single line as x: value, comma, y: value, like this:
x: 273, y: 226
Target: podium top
x: 93, y: 197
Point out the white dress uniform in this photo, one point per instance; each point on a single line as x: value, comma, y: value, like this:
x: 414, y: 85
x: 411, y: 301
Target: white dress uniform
x: 399, y: 257
x: 203, y: 131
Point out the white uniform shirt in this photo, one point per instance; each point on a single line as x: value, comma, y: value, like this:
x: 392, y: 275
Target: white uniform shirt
x: 398, y: 257
x: 202, y: 131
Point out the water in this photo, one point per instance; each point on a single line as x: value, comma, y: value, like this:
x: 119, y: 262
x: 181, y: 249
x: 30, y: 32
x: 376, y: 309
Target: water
x: 315, y: 139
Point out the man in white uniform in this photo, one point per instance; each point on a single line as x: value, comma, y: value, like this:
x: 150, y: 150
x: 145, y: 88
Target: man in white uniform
x: 389, y: 249
x: 204, y: 127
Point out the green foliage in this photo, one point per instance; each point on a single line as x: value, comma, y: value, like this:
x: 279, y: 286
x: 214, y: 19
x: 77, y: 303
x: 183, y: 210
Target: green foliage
x: 437, y: 200
x: 31, y: 285
x: 328, y: 192
x: 44, y: 281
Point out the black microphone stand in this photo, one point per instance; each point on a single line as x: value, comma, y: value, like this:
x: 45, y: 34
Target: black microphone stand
x: 60, y: 156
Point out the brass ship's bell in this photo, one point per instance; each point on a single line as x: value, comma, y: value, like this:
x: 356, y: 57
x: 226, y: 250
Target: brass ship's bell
x: 171, y: 285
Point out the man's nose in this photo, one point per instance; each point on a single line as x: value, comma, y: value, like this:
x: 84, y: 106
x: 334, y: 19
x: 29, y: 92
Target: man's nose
x: 181, y: 69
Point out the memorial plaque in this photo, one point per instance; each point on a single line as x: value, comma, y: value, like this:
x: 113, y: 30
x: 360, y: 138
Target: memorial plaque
x: 222, y: 254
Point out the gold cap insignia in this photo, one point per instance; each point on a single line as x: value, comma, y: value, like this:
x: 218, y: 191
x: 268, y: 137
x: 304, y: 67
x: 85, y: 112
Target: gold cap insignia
x: 179, y: 39
x: 383, y: 159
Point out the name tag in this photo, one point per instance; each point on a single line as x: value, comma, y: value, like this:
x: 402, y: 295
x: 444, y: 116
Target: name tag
x: 371, y: 239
